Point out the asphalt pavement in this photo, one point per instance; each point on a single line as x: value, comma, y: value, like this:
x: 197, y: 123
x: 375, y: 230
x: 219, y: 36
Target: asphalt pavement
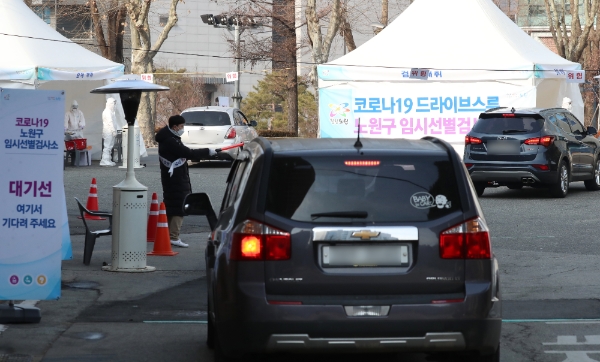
x: 547, y: 250
x: 113, y: 316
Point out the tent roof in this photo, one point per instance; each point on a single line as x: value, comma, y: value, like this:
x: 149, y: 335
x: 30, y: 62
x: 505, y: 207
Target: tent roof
x: 27, y: 43
x: 467, y: 35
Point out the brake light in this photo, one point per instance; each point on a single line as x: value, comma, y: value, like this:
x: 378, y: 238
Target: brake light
x: 472, y: 140
x: 253, y: 240
x: 230, y: 133
x: 508, y: 115
x: 542, y: 141
x: 468, y: 165
x: 546, y: 140
x: 363, y: 163
x: 469, y: 240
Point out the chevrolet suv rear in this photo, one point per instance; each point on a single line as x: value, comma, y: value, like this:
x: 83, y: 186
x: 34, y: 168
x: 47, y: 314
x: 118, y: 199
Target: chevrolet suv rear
x: 532, y: 147
x: 332, y: 245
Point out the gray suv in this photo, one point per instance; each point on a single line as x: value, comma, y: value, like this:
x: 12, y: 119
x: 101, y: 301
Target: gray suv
x: 338, y: 245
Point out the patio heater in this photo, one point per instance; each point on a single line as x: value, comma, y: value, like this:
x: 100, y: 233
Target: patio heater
x: 130, y: 198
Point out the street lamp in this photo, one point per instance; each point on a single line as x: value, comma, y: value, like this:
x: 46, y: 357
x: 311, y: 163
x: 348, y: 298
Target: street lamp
x: 235, y: 23
x: 130, y: 201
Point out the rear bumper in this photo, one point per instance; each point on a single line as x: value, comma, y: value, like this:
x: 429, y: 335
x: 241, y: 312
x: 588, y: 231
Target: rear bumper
x: 511, y: 174
x: 258, y: 327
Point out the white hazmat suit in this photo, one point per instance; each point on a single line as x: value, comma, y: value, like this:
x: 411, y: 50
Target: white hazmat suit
x: 109, y: 132
x: 74, y: 122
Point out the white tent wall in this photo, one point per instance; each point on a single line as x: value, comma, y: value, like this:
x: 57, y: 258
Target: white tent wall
x: 550, y: 93
x: 475, y: 58
x: 91, y: 105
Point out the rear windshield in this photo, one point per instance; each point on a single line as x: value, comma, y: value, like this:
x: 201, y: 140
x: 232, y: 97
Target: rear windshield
x: 508, y: 125
x: 206, y: 118
x: 398, y: 189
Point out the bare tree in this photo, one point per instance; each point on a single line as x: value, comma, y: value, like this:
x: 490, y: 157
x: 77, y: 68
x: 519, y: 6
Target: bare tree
x: 112, y: 15
x: 346, y: 30
x: 278, y: 16
x: 142, y: 57
x: 321, y: 45
x: 571, y: 39
x: 185, y: 90
x: 384, y: 16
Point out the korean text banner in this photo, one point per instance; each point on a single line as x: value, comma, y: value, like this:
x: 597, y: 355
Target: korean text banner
x: 31, y: 193
x: 446, y: 111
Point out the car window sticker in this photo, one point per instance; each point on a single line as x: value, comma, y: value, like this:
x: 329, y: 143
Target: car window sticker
x: 425, y: 200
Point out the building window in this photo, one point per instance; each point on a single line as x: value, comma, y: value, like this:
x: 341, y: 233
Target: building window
x: 162, y: 20
x: 43, y: 12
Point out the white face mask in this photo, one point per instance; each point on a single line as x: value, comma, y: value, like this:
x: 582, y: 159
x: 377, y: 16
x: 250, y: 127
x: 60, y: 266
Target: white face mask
x: 180, y: 132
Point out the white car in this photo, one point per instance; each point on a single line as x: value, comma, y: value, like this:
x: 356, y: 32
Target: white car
x: 217, y: 127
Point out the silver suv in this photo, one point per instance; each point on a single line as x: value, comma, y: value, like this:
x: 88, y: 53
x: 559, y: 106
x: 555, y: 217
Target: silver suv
x: 217, y: 127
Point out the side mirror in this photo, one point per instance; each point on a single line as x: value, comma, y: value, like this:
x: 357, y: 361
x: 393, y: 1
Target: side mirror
x: 199, y: 204
x: 253, y: 123
x: 592, y: 131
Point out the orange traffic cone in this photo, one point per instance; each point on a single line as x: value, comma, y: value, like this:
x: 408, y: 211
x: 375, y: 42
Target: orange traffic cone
x: 162, y: 244
x: 92, y: 202
x: 152, y: 219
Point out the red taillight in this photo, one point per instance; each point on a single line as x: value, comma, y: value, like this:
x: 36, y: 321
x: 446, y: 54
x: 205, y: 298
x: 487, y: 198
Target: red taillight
x: 468, y: 165
x: 472, y: 140
x: 546, y: 140
x: 250, y: 247
x: 256, y: 241
x: 508, y: 115
x: 230, y: 133
x: 362, y: 163
x: 469, y: 240
x: 542, y: 167
x: 542, y: 141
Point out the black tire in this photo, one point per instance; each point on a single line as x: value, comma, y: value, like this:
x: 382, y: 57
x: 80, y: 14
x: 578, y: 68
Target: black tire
x: 515, y: 186
x: 220, y: 356
x: 210, y: 330
x: 594, y: 183
x: 560, y: 188
x: 479, y: 188
x: 494, y: 357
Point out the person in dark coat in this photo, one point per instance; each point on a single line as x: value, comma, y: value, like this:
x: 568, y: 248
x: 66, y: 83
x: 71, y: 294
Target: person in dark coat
x: 174, y: 175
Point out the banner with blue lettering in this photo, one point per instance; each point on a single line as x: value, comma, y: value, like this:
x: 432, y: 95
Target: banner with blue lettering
x: 389, y: 110
x: 31, y: 193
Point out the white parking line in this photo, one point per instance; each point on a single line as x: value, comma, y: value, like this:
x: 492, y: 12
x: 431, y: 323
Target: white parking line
x: 3, y: 328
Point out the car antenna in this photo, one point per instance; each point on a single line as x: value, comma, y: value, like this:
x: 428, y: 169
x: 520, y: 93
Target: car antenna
x: 358, y: 144
x: 512, y: 110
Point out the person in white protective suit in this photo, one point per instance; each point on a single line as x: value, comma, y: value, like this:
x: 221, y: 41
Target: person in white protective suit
x: 109, y: 132
x: 74, y: 122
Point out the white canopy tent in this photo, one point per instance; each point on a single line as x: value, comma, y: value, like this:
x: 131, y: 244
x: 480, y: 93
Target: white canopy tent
x: 35, y: 56
x: 474, y: 57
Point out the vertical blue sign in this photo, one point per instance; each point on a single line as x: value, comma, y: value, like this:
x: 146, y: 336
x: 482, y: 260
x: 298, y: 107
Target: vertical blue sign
x: 31, y: 193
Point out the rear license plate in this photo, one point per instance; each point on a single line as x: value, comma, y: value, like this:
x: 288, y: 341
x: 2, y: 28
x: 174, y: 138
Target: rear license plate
x: 503, y: 147
x: 364, y: 255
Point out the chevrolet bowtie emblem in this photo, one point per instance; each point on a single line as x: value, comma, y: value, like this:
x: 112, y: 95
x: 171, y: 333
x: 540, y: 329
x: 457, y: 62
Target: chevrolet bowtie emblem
x: 365, y: 234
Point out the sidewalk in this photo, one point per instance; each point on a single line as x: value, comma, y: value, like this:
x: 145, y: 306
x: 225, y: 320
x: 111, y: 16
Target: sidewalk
x: 90, y: 297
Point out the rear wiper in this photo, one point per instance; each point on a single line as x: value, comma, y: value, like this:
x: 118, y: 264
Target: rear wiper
x: 514, y: 131
x: 347, y: 214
